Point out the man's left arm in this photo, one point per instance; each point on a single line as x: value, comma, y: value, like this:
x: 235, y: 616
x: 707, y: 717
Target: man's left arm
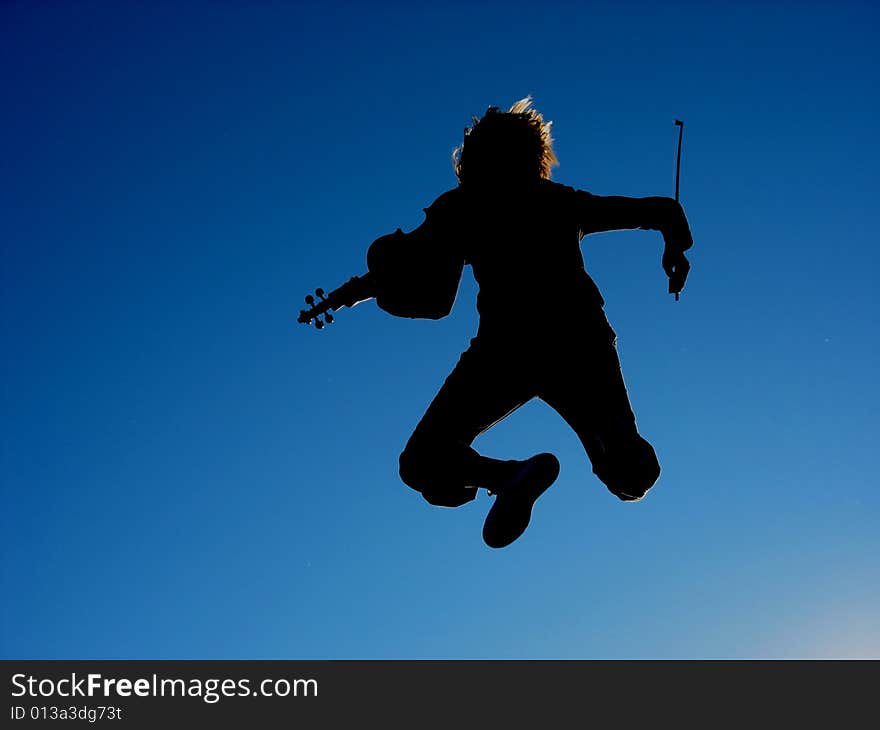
x: 597, y: 213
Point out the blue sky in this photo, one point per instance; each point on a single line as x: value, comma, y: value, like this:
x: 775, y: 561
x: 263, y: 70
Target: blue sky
x: 188, y: 473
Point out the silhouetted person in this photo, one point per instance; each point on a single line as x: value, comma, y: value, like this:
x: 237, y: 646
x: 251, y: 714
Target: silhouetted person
x: 542, y: 332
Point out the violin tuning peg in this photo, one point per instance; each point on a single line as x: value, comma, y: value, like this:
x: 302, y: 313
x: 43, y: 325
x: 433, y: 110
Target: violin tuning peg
x: 328, y: 318
x: 310, y: 300
x: 318, y: 323
x: 320, y: 293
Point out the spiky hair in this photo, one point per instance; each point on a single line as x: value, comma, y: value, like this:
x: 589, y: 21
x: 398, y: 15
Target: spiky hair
x: 516, y: 142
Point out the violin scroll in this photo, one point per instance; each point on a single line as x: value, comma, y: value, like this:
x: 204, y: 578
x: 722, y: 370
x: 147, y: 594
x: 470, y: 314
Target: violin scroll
x: 320, y: 311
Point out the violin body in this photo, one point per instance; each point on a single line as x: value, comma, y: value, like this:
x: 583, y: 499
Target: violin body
x: 415, y: 276
x: 410, y: 275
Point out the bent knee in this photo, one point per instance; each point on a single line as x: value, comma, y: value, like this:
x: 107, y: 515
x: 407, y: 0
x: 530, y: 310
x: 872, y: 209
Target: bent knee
x: 410, y: 469
x: 630, y: 473
x: 418, y: 468
x: 438, y: 488
x: 452, y: 497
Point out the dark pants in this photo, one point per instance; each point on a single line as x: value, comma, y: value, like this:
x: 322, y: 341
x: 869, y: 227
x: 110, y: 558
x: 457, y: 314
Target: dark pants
x: 576, y: 372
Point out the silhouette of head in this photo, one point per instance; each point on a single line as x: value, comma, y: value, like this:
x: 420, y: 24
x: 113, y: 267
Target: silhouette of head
x: 506, y: 147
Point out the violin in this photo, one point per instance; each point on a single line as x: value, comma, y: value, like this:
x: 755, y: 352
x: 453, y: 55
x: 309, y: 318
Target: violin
x: 352, y: 292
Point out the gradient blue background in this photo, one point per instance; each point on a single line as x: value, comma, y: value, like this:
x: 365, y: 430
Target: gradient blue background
x: 188, y: 473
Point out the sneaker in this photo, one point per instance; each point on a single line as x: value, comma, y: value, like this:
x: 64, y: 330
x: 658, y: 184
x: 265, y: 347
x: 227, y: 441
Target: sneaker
x: 510, y: 515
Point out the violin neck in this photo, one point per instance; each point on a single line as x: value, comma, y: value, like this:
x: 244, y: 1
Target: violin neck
x: 357, y: 289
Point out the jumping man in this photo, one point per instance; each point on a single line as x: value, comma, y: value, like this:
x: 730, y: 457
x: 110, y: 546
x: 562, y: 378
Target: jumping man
x: 521, y: 235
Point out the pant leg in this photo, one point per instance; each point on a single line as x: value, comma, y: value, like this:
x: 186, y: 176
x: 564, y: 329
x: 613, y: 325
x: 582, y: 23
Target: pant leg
x: 587, y: 389
x: 483, y: 388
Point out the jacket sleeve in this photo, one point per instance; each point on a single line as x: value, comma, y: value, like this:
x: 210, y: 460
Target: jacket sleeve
x: 597, y: 213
